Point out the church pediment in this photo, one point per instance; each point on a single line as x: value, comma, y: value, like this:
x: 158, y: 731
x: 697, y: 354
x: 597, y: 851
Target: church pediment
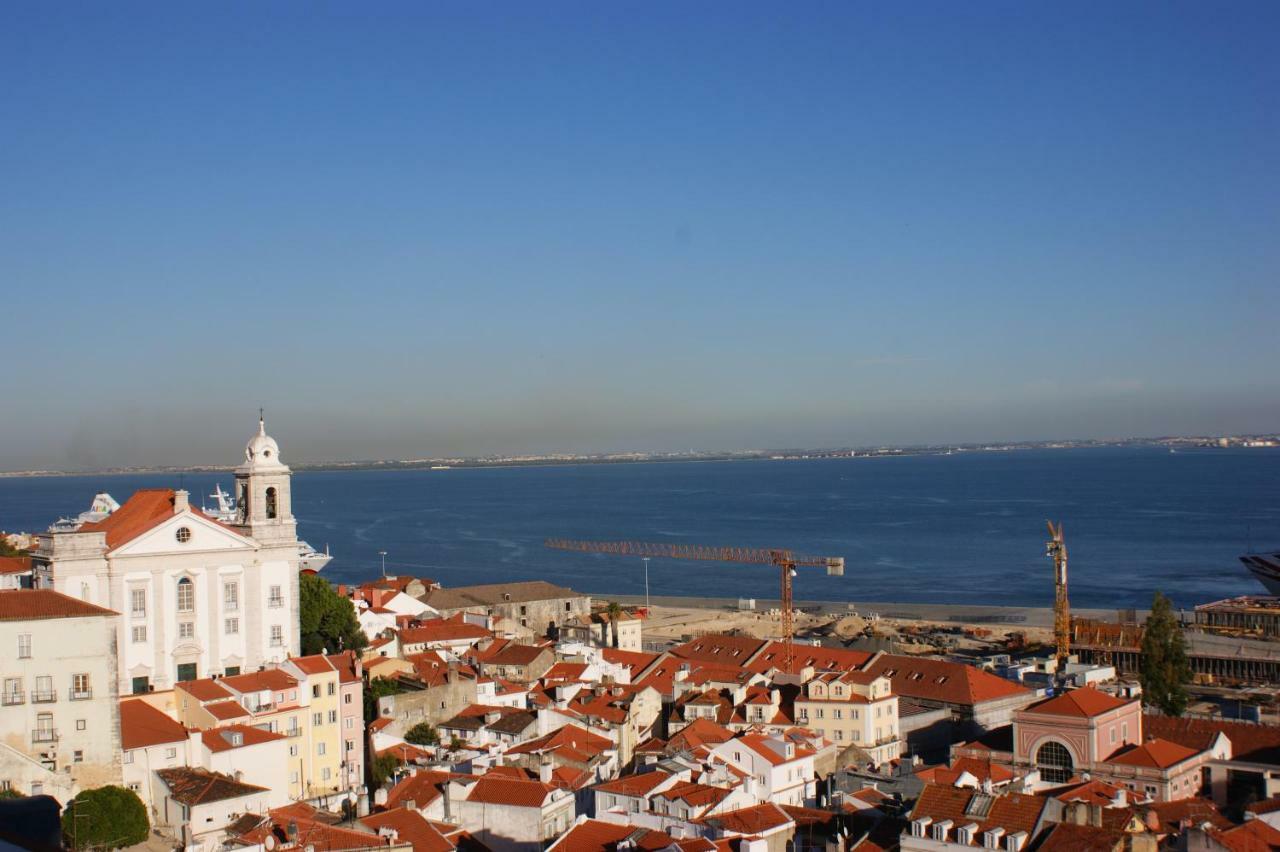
x: 185, y: 532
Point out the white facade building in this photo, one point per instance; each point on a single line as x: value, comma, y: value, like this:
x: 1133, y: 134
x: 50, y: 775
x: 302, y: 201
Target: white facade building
x: 197, y: 597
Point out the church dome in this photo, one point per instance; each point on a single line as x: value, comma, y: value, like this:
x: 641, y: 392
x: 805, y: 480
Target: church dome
x: 262, y: 449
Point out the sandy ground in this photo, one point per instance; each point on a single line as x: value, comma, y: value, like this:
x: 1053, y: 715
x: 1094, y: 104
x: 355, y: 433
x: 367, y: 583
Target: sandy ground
x: 925, y: 628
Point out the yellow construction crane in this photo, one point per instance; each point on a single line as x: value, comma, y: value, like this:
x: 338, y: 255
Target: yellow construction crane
x: 1056, y: 549
x: 783, y: 559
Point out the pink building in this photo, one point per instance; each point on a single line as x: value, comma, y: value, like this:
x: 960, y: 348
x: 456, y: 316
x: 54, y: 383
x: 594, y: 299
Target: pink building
x: 1088, y: 731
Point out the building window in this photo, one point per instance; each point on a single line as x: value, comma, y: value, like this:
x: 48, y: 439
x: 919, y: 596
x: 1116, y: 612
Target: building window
x: 1054, y: 762
x: 317, y: 718
x: 320, y: 749
x: 327, y: 773
x: 568, y: 606
x: 332, y: 688
x: 170, y: 754
x: 186, y: 595
x: 24, y: 646
x: 77, y: 756
x: 333, y: 717
x: 346, y: 699
x: 231, y: 596
x: 271, y: 503
x: 275, y: 599
x: 139, y: 633
x: 12, y: 691
x: 80, y: 687
x: 186, y: 630
x: 277, y: 636
x: 231, y: 626
x: 141, y: 685
x: 186, y: 672
x: 44, y: 690
x: 127, y: 759
x: 183, y: 535
x: 81, y: 724
x: 138, y: 602
x: 293, y: 751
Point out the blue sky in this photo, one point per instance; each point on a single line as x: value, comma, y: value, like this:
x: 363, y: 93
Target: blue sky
x: 422, y: 229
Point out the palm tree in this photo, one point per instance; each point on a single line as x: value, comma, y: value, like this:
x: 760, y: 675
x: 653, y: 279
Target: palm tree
x: 615, y: 613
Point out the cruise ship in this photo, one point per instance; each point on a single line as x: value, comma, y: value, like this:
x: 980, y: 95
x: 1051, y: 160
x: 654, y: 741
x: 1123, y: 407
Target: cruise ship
x: 1265, y: 567
x: 309, y: 559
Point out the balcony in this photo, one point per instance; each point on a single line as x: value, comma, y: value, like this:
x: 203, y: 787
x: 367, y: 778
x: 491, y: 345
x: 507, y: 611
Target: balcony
x: 43, y: 696
x: 293, y: 732
x: 80, y: 694
x: 44, y: 735
x: 9, y: 699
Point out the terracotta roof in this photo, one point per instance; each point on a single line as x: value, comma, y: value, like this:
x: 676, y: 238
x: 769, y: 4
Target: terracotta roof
x: 263, y: 681
x: 191, y: 786
x: 315, y: 664
x: 205, y: 689
x: 1093, y: 792
x: 572, y: 737
x: 696, y: 795
x: 410, y: 827
x: 724, y: 650
x: 1070, y: 837
x: 634, y: 785
x: 761, y: 744
x: 15, y: 564
x: 1159, y: 754
x: 943, y: 681
x: 516, y: 655
x: 1174, y: 815
x: 756, y: 819
x: 495, y: 594
x: 565, y: 671
x: 699, y: 732
x: 34, y: 604
x: 225, y: 710
x: 1253, y: 836
x: 348, y: 666
x: 224, y: 739
x: 147, y: 508
x: 1013, y: 812
x: 820, y: 659
x: 595, y: 836
x: 496, y: 790
x: 422, y: 787
x: 142, y: 725
x: 316, y: 830
x: 441, y: 630
x: 1266, y: 806
x: 982, y: 770
x: 635, y: 661
x: 1249, y: 742
x: 1085, y: 702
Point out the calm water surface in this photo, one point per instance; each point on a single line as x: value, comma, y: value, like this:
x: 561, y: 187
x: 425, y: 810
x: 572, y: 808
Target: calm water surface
x: 965, y: 528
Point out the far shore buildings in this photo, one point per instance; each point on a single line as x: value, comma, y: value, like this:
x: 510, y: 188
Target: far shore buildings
x: 196, y: 597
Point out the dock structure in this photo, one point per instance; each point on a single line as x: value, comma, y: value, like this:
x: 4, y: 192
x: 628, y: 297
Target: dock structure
x: 1230, y: 657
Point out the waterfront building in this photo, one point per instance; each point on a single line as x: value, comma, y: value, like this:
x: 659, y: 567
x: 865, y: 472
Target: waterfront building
x: 59, y: 713
x: 198, y: 597
x: 536, y: 605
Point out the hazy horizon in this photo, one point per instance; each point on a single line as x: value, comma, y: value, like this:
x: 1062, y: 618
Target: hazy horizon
x: 428, y: 231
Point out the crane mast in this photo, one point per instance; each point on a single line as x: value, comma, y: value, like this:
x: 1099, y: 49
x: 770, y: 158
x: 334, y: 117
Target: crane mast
x: 784, y: 560
x: 1056, y: 549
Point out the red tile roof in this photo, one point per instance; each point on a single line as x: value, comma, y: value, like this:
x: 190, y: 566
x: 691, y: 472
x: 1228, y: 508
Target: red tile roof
x: 422, y: 787
x: 263, y: 681
x: 1070, y: 837
x: 1253, y: 836
x: 1158, y: 754
x: 696, y: 795
x: 763, y: 745
x: 572, y: 737
x: 1085, y: 703
x: 939, y: 680
x: 205, y: 689
x: 636, y: 661
x: 721, y: 649
x: 1013, y: 812
x: 15, y: 564
x: 756, y: 819
x: 699, y: 732
x: 982, y: 770
x: 496, y: 790
x: 634, y: 785
x: 595, y: 836
x: 35, y: 604
x: 313, y: 665
x: 142, y: 725
x: 147, y: 508
x: 820, y: 659
x: 1249, y: 742
x: 223, y: 739
x: 225, y: 710
x: 192, y: 786
x: 516, y: 655
x: 410, y: 827
x: 442, y: 630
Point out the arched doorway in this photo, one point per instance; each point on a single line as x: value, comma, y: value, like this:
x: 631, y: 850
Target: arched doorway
x: 1054, y: 762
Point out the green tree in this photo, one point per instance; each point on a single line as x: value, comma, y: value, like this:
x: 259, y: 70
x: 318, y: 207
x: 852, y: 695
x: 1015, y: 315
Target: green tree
x: 377, y: 688
x: 422, y: 734
x: 382, y: 768
x: 106, y: 816
x: 327, y: 619
x: 7, y: 549
x: 1165, y: 671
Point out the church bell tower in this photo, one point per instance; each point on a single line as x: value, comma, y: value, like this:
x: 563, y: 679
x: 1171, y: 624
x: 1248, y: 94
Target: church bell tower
x: 264, y: 506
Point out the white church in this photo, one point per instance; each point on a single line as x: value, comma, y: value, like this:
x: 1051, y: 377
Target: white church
x: 197, y: 597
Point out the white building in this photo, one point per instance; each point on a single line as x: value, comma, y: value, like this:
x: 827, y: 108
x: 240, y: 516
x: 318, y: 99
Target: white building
x: 783, y: 771
x: 59, y: 723
x: 197, y: 597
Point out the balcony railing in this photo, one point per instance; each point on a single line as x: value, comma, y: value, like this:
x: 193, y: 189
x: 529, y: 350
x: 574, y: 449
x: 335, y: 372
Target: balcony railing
x: 9, y: 699
x: 43, y: 696
x: 80, y: 694
x: 44, y: 735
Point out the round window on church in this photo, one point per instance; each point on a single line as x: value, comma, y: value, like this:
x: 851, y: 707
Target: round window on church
x: 183, y: 534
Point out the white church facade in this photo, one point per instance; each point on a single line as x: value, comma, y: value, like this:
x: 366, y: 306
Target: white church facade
x: 197, y: 597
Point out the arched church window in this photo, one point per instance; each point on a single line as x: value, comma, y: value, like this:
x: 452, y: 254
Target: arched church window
x: 271, y: 502
x: 186, y: 595
x: 242, y: 505
x: 1054, y: 762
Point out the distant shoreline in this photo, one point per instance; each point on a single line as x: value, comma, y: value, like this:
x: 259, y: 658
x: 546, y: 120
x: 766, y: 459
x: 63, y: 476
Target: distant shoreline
x: 850, y: 453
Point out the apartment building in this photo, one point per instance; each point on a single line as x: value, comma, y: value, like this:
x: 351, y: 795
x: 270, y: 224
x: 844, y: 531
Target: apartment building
x: 853, y: 708
x: 59, y: 711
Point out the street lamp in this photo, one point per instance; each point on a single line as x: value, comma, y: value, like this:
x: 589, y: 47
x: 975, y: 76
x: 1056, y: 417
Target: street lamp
x: 383, y: 554
x: 646, y: 584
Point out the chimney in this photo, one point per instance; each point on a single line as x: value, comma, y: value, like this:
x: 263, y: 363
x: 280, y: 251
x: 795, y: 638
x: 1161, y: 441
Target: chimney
x: 1095, y: 816
x: 411, y: 804
x: 545, y: 769
x: 380, y: 797
x: 180, y: 501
